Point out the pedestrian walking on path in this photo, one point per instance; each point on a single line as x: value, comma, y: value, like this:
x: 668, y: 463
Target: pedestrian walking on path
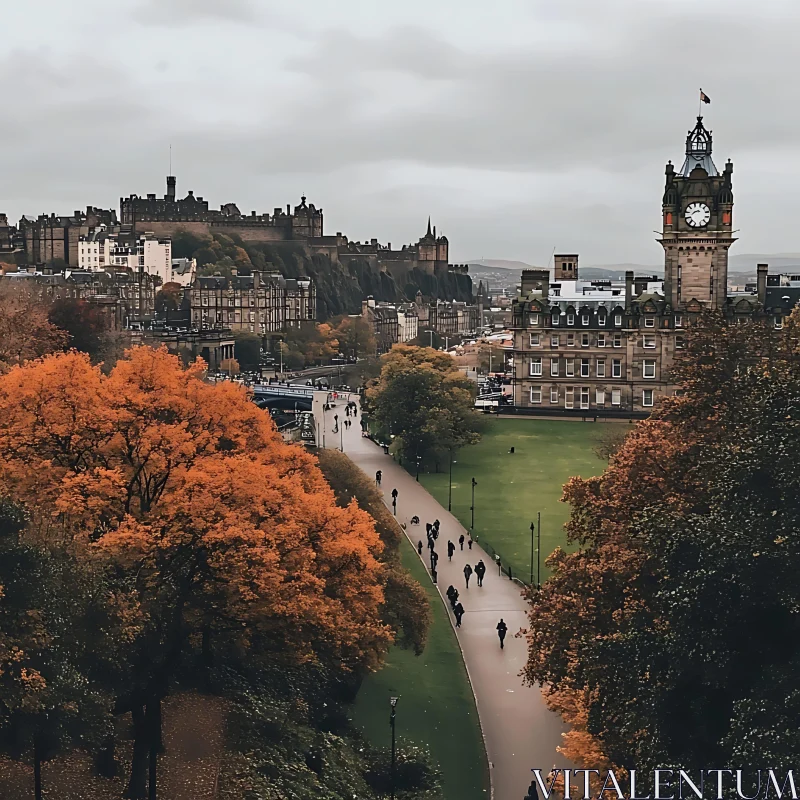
x: 461, y: 541
x: 480, y: 571
x: 452, y: 596
x: 394, y: 494
x: 469, y: 542
x: 467, y: 573
x: 459, y: 612
x: 434, y: 559
x: 451, y: 548
x: 378, y: 476
x: 430, y: 542
x: 419, y: 547
x: 502, y: 629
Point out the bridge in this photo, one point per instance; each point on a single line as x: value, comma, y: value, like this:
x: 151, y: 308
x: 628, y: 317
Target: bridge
x: 273, y: 395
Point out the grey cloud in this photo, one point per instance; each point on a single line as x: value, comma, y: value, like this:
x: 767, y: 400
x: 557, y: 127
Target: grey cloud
x: 182, y: 12
x: 336, y: 105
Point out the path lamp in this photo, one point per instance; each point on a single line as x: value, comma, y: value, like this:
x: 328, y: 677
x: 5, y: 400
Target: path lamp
x: 533, y: 528
x: 393, y: 702
x: 341, y: 437
x: 472, y: 507
x: 419, y: 458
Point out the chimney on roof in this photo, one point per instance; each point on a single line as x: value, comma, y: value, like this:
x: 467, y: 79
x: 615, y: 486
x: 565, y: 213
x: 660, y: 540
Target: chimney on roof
x: 565, y: 267
x: 761, y: 283
x: 628, y: 288
x: 535, y: 280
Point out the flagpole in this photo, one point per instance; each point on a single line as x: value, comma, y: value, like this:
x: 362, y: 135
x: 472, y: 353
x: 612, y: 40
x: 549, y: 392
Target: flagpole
x: 700, y: 103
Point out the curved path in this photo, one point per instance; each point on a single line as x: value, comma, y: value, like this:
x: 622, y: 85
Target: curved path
x: 519, y: 730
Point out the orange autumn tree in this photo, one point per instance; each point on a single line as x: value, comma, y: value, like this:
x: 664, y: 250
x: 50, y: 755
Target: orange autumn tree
x: 226, y: 534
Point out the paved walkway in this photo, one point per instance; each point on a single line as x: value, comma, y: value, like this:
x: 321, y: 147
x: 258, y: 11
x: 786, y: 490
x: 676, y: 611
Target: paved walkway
x: 519, y: 730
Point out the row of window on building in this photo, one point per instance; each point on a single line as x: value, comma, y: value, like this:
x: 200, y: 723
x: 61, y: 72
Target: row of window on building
x: 579, y: 396
x: 556, y: 319
x: 601, y: 340
x: 584, y: 365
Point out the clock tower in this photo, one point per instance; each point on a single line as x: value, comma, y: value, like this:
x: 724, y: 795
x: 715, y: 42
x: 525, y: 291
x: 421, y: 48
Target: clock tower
x: 697, y: 226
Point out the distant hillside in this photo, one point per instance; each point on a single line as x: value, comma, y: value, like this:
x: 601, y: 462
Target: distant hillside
x: 500, y: 263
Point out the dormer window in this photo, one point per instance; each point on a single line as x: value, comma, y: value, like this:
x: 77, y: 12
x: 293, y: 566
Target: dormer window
x: 555, y: 318
x: 601, y: 319
x: 570, y: 319
x: 618, y: 320
x: 649, y: 322
x: 533, y: 319
x: 584, y: 319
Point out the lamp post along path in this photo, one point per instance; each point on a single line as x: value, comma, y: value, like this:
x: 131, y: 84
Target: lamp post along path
x: 393, y: 702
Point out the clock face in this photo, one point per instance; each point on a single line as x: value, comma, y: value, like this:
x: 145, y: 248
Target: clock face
x: 698, y: 214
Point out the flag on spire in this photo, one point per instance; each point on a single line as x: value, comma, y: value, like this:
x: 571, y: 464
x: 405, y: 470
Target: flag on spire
x: 704, y: 98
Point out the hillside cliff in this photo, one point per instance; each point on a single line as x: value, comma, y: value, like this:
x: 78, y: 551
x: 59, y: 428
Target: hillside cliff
x: 340, y: 289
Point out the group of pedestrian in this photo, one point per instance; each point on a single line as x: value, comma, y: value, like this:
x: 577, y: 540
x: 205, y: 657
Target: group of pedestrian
x: 351, y: 409
x: 458, y: 609
x: 479, y: 570
x: 347, y: 423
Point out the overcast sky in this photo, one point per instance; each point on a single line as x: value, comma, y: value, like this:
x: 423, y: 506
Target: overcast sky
x: 518, y: 125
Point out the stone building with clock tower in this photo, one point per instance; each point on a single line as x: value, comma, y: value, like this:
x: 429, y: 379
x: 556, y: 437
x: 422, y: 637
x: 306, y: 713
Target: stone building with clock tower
x: 606, y: 348
x: 697, y: 226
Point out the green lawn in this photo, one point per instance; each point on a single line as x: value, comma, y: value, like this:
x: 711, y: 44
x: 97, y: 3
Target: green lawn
x: 436, y: 707
x: 512, y: 488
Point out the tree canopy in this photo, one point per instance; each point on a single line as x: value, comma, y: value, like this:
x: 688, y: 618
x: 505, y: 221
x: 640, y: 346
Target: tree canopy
x: 671, y: 634
x: 224, y: 543
x: 424, y: 402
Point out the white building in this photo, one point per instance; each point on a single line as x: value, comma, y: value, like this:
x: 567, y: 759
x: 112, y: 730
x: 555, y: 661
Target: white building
x: 407, y: 323
x: 148, y: 253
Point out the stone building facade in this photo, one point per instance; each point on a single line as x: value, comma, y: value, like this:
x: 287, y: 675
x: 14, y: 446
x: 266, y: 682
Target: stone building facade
x: 591, y: 347
x: 54, y: 237
x: 126, y: 297
x: 262, y: 303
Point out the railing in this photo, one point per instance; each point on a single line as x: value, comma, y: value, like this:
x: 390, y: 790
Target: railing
x: 496, y: 557
x: 287, y: 391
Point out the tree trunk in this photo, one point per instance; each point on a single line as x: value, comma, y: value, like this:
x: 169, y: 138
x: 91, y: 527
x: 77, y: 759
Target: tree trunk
x: 105, y: 762
x: 137, y: 785
x: 156, y: 745
x: 37, y: 768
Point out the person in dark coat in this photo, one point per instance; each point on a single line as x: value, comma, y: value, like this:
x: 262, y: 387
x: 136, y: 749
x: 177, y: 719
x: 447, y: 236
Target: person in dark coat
x: 459, y: 612
x: 434, y: 559
x: 461, y: 541
x: 454, y: 598
x: 469, y: 542
x: 436, y: 525
x: 449, y: 593
x: 451, y: 548
x: 378, y: 476
x: 467, y: 573
x: 394, y: 495
x: 430, y: 543
x: 419, y: 547
x: 502, y: 629
x: 480, y: 571
x: 429, y: 529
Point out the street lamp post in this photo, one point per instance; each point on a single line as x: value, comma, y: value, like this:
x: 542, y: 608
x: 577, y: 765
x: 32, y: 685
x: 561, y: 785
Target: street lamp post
x: 533, y: 528
x: 450, y: 484
x: 418, y: 460
x: 393, y: 702
x: 472, y: 507
x: 341, y: 437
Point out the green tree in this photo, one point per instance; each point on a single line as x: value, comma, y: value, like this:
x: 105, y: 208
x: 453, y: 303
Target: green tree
x: 354, y: 335
x: 424, y: 402
x: 687, y: 556
x: 56, y: 655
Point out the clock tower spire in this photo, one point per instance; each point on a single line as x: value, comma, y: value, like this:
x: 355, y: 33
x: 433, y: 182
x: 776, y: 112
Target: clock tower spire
x: 697, y: 214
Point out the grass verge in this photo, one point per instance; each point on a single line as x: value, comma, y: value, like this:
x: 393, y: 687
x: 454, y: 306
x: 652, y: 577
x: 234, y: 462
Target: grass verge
x: 436, y: 707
